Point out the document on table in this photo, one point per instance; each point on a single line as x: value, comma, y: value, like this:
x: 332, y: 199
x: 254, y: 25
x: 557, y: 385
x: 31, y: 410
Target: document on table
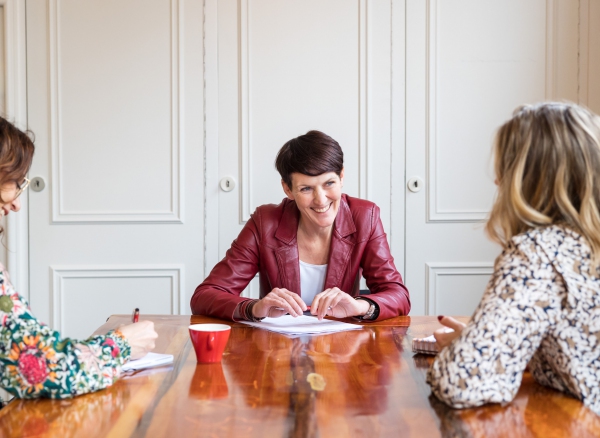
x: 148, y: 361
x: 302, y: 325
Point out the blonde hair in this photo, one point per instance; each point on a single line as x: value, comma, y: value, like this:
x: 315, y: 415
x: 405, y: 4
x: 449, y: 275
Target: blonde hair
x: 547, y: 163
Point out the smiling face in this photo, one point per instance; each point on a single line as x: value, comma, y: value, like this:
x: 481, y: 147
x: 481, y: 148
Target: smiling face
x: 317, y: 197
x: 9, y: 201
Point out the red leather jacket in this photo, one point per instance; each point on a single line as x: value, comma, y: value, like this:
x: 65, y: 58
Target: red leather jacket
x: 267, y: 245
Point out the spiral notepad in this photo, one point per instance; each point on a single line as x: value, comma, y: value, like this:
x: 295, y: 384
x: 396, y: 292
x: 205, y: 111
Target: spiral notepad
x: 428, y: 345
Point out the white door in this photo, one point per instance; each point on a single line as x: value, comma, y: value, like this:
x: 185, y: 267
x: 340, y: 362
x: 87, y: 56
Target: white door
x: 470, y: 63
x: 280, y: 69
x: 115, y: 99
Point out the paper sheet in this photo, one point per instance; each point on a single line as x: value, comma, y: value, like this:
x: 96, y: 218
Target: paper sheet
x: 148, y: 361
x: 302, y: 325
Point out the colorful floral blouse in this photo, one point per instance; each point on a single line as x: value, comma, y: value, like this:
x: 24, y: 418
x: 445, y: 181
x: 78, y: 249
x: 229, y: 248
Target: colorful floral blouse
x: 542, y: 308
x: 36, y: 362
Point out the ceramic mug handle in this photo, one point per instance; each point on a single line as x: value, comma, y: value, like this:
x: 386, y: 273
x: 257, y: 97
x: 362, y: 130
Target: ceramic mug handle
x: 210, y: 341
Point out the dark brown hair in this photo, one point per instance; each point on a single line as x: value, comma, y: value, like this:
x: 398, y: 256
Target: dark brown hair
x: 16, y: 152
x: 313, y: 154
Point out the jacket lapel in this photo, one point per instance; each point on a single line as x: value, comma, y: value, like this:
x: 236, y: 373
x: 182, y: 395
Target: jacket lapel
x: 288, y: 260
x: 341, y: 247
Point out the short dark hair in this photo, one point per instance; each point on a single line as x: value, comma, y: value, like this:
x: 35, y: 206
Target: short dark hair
x: 313, y: 154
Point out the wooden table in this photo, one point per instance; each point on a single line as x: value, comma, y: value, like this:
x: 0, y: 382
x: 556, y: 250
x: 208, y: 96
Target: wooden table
x: 356, y: 383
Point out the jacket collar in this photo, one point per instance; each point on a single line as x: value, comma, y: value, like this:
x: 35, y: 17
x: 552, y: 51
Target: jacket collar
x: 288, y: 225
x: 344, y: 224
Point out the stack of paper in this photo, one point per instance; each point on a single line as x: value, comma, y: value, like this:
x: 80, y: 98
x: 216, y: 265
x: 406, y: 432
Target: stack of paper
x: 148, y: 361
x: 302, y: 325
x: 426, y: 345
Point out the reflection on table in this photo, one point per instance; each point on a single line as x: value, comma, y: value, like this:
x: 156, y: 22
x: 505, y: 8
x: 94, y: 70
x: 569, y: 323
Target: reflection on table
x: 355, y: 383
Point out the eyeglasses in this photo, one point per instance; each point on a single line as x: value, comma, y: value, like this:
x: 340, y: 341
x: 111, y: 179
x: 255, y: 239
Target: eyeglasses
x: 21, y: 187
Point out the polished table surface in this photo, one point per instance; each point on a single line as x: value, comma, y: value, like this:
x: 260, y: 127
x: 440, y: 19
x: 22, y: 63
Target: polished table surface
x: 357, y: 383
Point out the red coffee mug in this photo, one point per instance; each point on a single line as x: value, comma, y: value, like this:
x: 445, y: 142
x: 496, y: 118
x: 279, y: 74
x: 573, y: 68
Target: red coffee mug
x: 209, y: 341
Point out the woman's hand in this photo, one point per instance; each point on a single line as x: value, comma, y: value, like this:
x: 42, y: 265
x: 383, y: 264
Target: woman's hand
x: 141, y: 337
x: 443, y: 336
x: 279, y: 302
x: 337, y: 303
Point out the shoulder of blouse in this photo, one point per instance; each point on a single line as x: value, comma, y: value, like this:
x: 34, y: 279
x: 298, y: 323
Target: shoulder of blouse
x: 553, y: 243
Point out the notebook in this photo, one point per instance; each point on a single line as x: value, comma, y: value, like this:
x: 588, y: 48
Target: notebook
x: 427, y: 345
x: 149, y: 361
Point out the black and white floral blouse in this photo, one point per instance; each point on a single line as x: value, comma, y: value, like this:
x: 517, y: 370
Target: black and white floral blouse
x: 542, y: 307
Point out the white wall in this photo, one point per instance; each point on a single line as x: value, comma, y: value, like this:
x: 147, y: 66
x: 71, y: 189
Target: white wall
x: 115, y: 98
x: 589, y: 54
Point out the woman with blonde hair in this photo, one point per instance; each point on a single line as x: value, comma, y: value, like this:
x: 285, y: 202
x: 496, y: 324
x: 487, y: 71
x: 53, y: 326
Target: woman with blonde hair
x: 35, y: 361
x: 542, y: 304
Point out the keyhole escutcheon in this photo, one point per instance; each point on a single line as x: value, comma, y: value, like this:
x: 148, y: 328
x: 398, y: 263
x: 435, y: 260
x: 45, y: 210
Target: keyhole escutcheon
x: 227, y: 184
x: 37, y: 184
x: 415, y: 184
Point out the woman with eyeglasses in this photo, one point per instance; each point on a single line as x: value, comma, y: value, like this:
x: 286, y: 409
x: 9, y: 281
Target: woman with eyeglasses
x: 35, y: 361
x: 541, y: 307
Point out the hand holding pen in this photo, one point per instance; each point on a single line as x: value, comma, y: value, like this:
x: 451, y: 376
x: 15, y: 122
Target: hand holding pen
x: 306, y: 312
x: 279, y: 298
x: 140, y: 335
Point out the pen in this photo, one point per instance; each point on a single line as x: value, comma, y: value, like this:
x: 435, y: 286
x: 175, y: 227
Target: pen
x: 136, y: 315
x: 306, y: 312
x: 281, y: 308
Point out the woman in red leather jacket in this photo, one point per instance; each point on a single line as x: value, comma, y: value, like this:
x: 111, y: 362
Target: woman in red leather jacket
x: 310, y: 250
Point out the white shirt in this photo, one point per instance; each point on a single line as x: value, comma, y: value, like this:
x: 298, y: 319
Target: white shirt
x: 312, y: 280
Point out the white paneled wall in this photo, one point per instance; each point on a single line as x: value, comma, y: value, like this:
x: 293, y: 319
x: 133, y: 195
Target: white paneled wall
x: 469, y: 64
x: 115, y: 98
x: 139, y: 109
x: 281, y: 71
x: 287, y: 73
x: 147, y: 117
x: 80, y: 287
x: 451, y: 286
x: 484, y: 59
x: 589, y: 54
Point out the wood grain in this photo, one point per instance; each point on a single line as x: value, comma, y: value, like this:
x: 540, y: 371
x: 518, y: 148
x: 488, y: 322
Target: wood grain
x: 357, y: 383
